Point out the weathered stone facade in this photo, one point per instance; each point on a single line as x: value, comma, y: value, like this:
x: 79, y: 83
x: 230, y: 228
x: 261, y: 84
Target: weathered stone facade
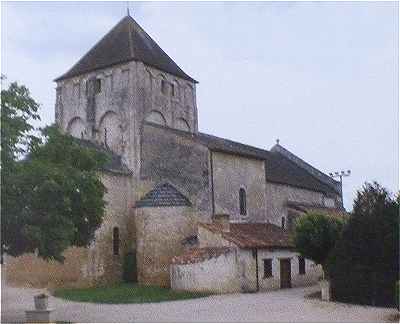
x: 159, y: 235
x: 230, y: 174
x: 277, y: 196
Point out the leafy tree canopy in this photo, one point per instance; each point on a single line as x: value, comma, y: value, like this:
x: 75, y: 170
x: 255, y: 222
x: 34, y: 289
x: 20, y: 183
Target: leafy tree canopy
x: 315, y: 236
x: 54, y: 197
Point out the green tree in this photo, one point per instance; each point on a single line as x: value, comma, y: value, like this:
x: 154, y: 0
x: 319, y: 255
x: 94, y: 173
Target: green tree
x: 18, y: 108
x: 364, y: 265
x: 54, y: 196
x: 315, y: 235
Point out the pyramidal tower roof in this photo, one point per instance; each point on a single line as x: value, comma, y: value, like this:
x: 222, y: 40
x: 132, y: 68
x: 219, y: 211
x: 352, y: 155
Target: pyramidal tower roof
x: 127, y: 41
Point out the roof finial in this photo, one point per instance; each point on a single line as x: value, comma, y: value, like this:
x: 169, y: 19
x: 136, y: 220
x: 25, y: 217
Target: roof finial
x: 277, y: 141
x: 127, y: 9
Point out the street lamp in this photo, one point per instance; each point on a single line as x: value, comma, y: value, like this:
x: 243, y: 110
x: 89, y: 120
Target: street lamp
x: 340, y: 175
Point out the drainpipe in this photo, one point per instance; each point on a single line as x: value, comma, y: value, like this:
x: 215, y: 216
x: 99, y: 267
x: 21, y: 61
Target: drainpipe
x: 212, y: 184
x: 255, y: 254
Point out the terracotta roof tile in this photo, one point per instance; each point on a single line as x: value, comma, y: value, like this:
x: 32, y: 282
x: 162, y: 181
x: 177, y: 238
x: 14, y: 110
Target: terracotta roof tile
x: 253, y: 235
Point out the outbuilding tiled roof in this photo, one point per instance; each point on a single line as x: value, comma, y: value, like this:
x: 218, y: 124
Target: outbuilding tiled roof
x: 253, y: 235
x: 200, y: 254
x: 313, y: 208
x: 127, y: 41
x: 163, y: 195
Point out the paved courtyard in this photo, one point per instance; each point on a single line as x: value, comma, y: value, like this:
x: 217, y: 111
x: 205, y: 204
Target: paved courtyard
x: 279, y: 306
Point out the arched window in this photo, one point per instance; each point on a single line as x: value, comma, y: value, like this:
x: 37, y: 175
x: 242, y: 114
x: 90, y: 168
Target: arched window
x: 109, y: 130
x: 116, y: 241
x: 283, y: 222
x: 242, y: 201
x: 76, y: 127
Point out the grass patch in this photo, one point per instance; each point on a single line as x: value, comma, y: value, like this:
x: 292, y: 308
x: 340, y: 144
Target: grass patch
x: 124, y: 293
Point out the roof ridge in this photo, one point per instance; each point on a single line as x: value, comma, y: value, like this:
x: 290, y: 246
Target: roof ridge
x: 235, y: 142
x: 130, y: 39
x: 146, y: 34
x: 279, y: 149
x: 299, y: 166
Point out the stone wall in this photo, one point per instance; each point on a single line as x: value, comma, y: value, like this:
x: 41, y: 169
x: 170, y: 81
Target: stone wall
x: 176, y: 104
x: 217, y: 275
x: 207, y: 238
x: 168, y: 157
x: 232, y: 172
x: 28, y: 270
x: 130, y: 93
x: 278, y: 195
x: 160, y: 231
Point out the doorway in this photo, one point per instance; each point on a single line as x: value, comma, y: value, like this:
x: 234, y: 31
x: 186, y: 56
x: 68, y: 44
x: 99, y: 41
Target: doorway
x: 286, y: 274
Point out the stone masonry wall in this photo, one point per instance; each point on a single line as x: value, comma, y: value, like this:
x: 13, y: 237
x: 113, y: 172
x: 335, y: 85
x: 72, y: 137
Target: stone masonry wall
x: 217, y: 275
x: 207, y: 238
x: 277, y: 196
x: 233, y: 172
x: 160, y: 231
x: 130, y: 93
x: 167, y: 157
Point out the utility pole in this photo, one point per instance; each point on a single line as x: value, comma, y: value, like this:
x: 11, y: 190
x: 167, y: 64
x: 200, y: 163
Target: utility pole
x: 340, y: 175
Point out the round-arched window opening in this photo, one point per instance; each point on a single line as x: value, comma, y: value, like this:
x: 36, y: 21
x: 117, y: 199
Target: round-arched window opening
x: 110, y: 131
x: 76, y: 127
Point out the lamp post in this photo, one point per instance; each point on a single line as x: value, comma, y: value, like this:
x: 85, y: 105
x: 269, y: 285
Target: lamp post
x: 340, y: 175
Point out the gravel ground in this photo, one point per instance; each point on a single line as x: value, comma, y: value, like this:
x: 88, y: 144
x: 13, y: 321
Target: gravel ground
x: 279, y: 306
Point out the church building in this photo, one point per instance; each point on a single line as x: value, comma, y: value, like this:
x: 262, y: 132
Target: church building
x: 200, y: 212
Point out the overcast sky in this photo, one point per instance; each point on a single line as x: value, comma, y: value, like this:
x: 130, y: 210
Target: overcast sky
x: 321, y: 77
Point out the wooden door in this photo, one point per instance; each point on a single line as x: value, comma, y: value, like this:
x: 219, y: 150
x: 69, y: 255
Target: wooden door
x: 286, y: 275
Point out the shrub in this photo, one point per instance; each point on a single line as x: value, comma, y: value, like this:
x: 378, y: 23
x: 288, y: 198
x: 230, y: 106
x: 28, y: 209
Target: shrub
x: 315, y: 235
x: 129, y: 271
x: 363, y: 266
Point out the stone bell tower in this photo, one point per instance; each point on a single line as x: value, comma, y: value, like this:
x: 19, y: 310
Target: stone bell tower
x: 124, y: 80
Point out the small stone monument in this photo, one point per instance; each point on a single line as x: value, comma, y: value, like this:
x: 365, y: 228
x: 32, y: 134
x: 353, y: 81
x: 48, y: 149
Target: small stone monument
x: 41, y: 313
x: 325, y: 290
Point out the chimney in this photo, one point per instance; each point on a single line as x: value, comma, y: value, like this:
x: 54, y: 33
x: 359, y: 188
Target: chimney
x: 222, y: 219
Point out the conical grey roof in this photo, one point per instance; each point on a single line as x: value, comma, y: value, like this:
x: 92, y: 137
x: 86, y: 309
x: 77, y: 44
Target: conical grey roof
x: 163, y: 195
x: 127, y: 41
